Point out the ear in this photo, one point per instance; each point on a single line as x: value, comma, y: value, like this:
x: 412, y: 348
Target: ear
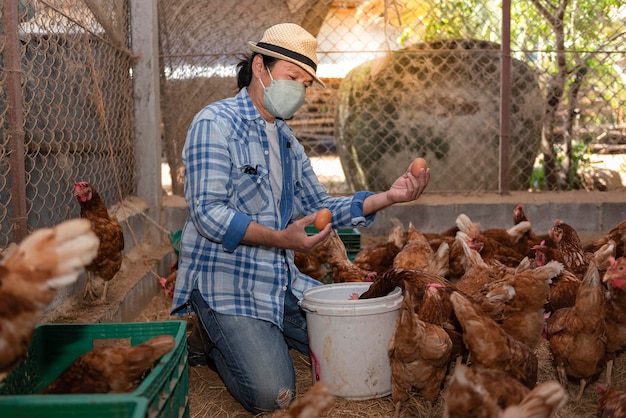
x: 258, y: 68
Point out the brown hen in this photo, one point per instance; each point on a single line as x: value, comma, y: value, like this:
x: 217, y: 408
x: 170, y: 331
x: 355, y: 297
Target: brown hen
x: 379, y: 257
x: 478, y: 271
x: 563, y: 291
x: 329, y: 263
x: 542, y: 402
x: 564, y: 287
x: 577, y: 335
x: 436, y: 308
x: 111, y: 369
x: 508, y: 246
x: 522, y: 315
x: 419, y: 353
x: 312, y: 404
x: 490, y: 346
x: 532, y: 238
x: 316, y: 264
x: 416, y: 253
x: 481, y: 393
x: 343, y: 269
x: 569, y: 248
x: 416, y: 280
x: 493, y: 286
x: 617, y: 234
x: 611, y: 402
x: 615, y: 316
x: 47, y: 259
x: 436, y: 241
x: 109, y: 259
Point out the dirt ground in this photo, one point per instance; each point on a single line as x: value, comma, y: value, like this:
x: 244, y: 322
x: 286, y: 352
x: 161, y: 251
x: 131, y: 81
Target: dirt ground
x: 209, y: 398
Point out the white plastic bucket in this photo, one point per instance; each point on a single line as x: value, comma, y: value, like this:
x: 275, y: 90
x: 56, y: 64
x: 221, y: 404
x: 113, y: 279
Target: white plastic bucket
x: 348, y: 339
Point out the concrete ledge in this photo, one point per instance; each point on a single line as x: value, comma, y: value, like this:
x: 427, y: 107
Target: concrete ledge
x: 130, y: 291
x: 588, y: 212
x: 137, y: 294
x: 174, y: 212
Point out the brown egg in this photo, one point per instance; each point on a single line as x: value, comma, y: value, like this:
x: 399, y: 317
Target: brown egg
x: 322, y: 218
x: 418, y: 164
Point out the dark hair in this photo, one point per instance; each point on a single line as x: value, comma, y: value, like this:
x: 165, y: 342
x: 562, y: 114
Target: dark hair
x: 244, y: 68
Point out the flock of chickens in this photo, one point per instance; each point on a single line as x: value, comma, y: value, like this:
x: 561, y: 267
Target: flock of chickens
x: 477, y: 302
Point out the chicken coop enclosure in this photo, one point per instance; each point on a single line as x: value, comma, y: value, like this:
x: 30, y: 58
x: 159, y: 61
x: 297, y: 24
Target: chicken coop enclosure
x: 495, y: 96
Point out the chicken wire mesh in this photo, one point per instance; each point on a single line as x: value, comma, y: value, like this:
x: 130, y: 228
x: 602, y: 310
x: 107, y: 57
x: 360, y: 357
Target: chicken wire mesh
x: 409, y: 78
x: 65, y: 109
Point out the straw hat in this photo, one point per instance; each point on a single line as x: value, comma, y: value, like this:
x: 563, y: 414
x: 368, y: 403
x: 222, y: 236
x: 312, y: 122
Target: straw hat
x: 290, y: 42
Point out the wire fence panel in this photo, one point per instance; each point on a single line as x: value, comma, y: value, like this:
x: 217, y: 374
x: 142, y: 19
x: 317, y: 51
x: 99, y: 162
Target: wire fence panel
x: 76, y: 101
x: 408, y: 78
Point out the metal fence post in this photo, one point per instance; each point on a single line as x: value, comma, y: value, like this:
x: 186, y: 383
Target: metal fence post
x: 505, y: 97
x: 16, y: 121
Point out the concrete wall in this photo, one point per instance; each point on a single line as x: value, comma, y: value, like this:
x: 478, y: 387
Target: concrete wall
x: 588, y: 212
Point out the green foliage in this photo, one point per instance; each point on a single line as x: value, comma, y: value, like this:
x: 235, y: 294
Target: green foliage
x: 581, y: 158
x: 436, y: 20
x: 537, y: 178
x: 594, y: 27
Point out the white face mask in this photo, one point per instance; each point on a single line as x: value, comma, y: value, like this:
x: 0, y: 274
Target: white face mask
x: 283, y: 97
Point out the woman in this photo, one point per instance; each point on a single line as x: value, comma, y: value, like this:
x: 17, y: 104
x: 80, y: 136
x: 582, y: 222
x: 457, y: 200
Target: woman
x: 251, y: 192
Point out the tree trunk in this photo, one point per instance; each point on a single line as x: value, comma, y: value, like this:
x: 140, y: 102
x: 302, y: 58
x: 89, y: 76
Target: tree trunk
x: 550, y: 135
x: 573, y: 181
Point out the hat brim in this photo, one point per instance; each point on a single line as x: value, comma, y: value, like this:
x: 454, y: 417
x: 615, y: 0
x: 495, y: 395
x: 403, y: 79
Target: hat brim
x: 253, y: 46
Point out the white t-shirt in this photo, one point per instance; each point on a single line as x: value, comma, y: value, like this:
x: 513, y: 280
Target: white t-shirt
x: 276, y: 167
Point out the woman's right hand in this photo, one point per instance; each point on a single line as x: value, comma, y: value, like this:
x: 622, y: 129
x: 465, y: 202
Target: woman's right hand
x: 293, y: 238
x: 297, y: 238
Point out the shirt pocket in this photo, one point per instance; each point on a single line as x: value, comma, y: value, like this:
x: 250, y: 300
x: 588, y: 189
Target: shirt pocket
x: 252, y: 188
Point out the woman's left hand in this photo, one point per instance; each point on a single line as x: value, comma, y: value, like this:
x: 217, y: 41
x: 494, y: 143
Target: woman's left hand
x: 407, y: 188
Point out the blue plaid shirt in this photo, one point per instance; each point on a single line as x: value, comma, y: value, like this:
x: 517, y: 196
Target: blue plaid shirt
x: 227, y: 186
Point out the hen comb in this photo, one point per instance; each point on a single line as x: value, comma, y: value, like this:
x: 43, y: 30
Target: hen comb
x: 435, y: 285
x: 80, y: 184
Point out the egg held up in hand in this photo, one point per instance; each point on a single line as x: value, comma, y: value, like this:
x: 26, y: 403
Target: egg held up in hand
x: 418, y: 164
x: 322, y: 218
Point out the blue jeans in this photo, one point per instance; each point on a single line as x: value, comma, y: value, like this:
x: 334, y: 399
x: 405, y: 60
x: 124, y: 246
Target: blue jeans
x: 252, y: 356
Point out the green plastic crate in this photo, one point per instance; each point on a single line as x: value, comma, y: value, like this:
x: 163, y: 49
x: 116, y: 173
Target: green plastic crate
x: 55, y: 346
x: 351, y: 238
x: 74, y: 406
